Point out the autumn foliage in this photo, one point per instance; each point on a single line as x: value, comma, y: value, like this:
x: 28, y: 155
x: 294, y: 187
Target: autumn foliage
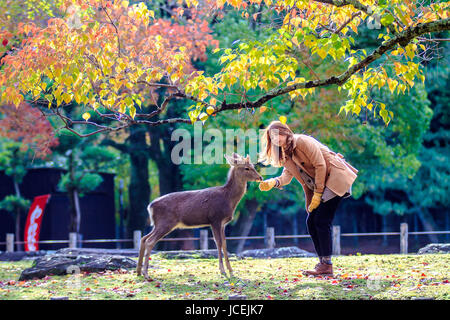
x: 111, y: 56
x: 30, y: 127
x: 103, y: 56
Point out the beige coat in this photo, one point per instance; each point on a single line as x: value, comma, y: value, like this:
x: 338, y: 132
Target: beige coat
x: 317, y: 160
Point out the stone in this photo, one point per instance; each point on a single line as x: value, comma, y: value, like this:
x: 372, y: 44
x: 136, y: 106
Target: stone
x: 59, y: 298
x: 284, y: 252
x: 191, y: 254
x: 237, y: 297
x: 97, y: 251
x: 435, y: 248
x: 61, y: 264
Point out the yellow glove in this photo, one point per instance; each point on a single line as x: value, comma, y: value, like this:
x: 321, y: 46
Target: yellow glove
x: 268, y: 184
x: 315, y: 201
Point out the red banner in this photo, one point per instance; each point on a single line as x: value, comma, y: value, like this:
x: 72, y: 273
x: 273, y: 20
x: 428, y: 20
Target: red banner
x: 33, y: 224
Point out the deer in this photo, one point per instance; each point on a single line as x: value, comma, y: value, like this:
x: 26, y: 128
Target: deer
x: 213, y: 207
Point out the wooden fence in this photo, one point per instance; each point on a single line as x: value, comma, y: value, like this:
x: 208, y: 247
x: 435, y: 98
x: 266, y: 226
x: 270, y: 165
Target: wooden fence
x: 269, y: 238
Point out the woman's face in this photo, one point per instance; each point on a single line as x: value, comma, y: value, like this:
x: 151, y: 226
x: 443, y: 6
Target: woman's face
x: 277, y: 139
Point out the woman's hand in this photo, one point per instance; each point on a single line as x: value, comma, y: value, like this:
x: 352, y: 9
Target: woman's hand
x: 315, y: 201
x: 268, y: 184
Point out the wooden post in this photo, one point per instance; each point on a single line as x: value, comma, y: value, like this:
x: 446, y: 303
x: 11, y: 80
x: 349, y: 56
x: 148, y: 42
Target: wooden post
x: 336, y: 240
x: 79, y: 239
x: 403, y: 238
x: 204, y: 239
x: 137, y: 235
x: 73, y: 239
x: 270, y: 237
x: 10, y: 242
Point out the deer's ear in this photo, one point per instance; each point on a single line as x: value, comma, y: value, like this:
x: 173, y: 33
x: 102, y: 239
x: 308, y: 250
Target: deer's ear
x: 231, y: 161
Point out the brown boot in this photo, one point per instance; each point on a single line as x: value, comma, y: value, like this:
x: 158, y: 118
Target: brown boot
x: 321, y: 269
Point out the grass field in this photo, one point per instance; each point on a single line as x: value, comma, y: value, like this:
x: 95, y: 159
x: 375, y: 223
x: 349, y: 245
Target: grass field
x: 356, y: 277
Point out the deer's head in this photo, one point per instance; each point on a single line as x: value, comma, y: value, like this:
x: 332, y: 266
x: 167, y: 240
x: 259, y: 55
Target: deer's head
x: 245, y: 169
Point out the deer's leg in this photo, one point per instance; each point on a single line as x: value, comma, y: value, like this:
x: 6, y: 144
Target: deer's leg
x: 218, y: 239
x: 157, y: 234
x: 224, y: 249
x: 142, y: 253
x: 149, y: 244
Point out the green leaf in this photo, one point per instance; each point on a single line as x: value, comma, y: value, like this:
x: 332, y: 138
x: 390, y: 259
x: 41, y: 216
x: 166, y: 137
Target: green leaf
x: 132, y: 111
x: 387, y: 19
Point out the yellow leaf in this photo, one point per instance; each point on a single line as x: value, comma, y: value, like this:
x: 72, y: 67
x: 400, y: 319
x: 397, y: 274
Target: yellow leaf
x: 67, y: 98
x: 286, y: 18
x: 392, y: 84
x: 210, y: 110
x: 283, y: 119
x: 262, y: 109
x: 410, y: 50
x: 322, y: 53
x: 132, y: 111
x: 86, y: 116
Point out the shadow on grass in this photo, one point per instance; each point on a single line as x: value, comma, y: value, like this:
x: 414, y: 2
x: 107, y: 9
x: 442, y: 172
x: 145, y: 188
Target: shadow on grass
x: 218, y: 287
x: 354, y: 289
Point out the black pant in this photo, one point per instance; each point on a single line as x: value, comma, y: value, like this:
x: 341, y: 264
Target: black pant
x: 319, y: 223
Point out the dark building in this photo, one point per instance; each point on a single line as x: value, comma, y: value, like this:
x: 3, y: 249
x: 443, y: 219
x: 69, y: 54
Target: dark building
x: 97, y: 209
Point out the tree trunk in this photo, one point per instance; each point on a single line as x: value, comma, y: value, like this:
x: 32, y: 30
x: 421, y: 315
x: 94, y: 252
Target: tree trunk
x: 428, y: 223
x: 355, y: 230
x: 76, y: 199
x: 295, y: 228
x: 170, y: 178
x: 245, y: 222
x: 19, y: 246
x: 447, y: 224
x: 75, y: 212
x: 384, y: 228
x: 139, y: 189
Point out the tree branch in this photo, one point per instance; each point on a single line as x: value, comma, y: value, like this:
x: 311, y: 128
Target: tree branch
x: 402, y: 38
x: 342, y: 3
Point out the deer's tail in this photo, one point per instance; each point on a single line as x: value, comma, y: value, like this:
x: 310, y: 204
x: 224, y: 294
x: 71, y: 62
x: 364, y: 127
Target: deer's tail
x: 150, y: 214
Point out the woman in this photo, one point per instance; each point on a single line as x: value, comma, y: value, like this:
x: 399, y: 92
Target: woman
x: 325, y: 176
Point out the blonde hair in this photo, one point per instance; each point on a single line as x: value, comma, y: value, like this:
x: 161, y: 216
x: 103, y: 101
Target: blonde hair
x: 275, y: 155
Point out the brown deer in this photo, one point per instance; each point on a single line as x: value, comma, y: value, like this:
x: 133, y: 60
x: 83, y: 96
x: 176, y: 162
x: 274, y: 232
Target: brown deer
x: 212, y: 207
